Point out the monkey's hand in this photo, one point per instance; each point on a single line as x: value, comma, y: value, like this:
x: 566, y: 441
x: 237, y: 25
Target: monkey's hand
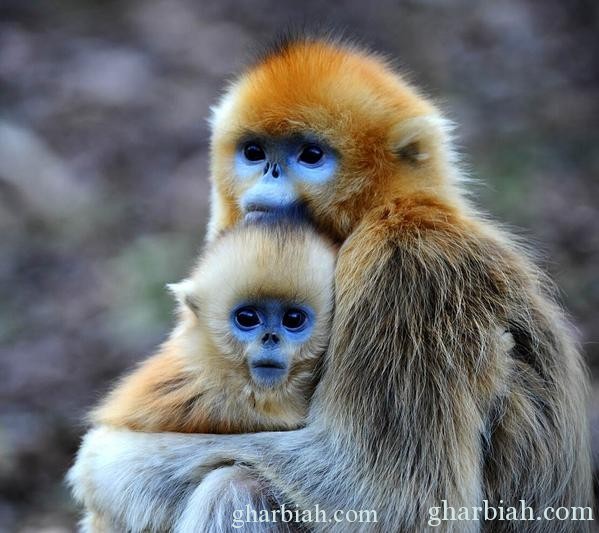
x: 143, y: 481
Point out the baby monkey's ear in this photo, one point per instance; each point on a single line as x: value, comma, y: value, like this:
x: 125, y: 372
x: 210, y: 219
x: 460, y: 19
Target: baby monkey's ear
x: 185, y: 294
x: 416, y: 140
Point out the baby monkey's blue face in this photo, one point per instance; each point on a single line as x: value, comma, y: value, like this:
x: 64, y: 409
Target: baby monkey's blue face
x: 274, y: 332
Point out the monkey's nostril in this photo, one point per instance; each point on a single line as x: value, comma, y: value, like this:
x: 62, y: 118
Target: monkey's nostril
x: 267, y: 167
x: 275, y: 171
x: 270, y: 338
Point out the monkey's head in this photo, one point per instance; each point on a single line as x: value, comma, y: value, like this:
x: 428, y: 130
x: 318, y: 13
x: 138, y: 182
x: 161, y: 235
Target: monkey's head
x: 327, y: 127
x: 262, y: 297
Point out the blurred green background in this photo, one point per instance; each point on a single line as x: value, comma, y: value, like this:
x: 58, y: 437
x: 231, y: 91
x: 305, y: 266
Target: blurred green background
x: 104, y: 192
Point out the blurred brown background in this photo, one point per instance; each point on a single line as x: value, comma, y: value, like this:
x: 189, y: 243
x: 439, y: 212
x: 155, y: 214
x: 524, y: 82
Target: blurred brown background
x: 103, y: 177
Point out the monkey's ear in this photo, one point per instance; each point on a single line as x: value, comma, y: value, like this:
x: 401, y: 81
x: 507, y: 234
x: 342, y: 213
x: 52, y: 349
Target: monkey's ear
x: 185, y: 295
x: 416, y: 139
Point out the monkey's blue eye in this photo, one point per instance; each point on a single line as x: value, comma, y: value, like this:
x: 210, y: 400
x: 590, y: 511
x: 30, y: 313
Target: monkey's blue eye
x: 247, y: 318
x: 311, y: 155
x: 253, y: 152
x: 294, y: 319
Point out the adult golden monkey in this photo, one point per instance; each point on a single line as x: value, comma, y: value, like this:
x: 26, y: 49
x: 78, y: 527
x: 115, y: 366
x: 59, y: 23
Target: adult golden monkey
x: 422, y: 398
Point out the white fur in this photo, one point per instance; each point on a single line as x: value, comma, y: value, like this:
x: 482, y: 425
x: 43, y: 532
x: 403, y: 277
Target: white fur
x: 211, y: 506
x: 144, y: 481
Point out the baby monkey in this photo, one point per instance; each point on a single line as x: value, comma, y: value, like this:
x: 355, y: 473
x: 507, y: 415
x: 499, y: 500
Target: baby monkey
x: 254, y: 320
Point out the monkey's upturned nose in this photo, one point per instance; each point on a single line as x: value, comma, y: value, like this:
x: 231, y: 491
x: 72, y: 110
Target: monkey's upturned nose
x: 274, y: 169
x: 270, y: 338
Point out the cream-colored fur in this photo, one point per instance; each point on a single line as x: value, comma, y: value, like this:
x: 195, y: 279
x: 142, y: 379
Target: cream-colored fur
x: 199, y: 381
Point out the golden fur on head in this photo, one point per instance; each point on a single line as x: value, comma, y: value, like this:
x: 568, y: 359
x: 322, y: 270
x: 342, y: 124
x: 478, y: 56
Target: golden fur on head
x: 200, y: 380
x: 390, y: 140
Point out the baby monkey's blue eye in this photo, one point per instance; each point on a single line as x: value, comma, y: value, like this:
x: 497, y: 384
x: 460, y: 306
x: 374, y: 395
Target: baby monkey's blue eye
x: 294, y: 319
x: 247, y: 318
x: 311, y: 155
x: 252, y: 151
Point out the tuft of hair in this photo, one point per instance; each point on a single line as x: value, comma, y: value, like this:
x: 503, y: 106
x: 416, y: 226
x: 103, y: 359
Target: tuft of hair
x: 303, y: 33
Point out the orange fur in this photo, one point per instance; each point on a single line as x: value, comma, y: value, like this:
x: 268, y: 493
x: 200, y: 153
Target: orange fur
x: 358, y: 105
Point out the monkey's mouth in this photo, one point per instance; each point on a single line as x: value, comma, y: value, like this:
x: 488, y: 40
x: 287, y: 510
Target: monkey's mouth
x: 268, y: 213
x: 268, y: 373
x: 270, y: 364
x: 257, y: 208
x: 258, y: 213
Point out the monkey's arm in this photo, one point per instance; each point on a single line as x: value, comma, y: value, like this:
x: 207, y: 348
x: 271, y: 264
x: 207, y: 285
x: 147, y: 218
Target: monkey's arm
x: 143, y: 481
x: 162, y: 394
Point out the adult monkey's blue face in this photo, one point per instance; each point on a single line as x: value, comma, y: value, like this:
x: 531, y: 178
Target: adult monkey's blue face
x: 272, y: 331
x: 277, y: 167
